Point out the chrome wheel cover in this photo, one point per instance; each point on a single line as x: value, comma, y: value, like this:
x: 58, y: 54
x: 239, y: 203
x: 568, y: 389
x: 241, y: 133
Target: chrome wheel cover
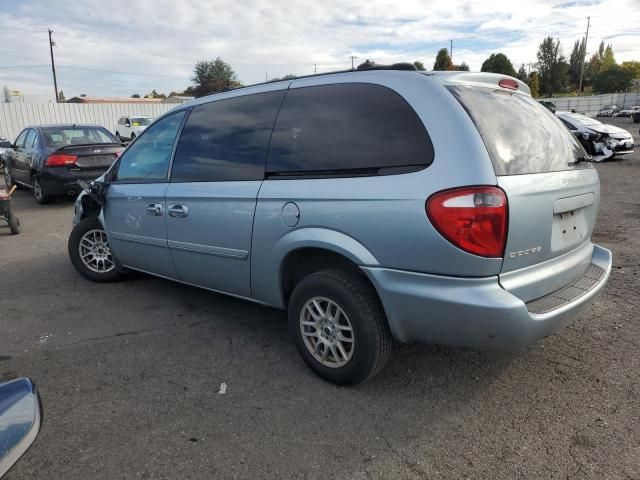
x: 327, y: 332
x: 95, y: 251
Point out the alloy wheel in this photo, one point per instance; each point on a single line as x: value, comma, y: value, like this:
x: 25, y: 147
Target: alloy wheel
x: 327, y: 332
x: 95, y: 251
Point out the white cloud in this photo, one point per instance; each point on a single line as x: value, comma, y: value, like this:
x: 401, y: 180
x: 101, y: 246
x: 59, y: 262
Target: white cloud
x: 161, y: 37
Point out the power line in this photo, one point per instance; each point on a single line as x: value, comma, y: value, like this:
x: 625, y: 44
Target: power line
x: 99, y: 70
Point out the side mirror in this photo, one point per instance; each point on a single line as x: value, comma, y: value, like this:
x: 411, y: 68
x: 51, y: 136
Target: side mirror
x: 127, y: 124
x: 20, y: 419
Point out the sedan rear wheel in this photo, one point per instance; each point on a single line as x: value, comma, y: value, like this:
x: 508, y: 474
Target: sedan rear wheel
x: 38, y: 192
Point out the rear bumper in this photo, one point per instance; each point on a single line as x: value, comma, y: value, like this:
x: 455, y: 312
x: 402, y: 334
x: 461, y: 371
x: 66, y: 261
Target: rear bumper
x: 477, y: 312
x: 62, y: 181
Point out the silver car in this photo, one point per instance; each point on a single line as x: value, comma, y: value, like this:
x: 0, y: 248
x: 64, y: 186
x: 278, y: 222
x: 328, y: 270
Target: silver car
x: 376, y: 205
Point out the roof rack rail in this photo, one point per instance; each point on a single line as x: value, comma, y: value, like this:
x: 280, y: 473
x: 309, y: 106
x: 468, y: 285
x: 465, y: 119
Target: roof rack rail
x: 369, y: 65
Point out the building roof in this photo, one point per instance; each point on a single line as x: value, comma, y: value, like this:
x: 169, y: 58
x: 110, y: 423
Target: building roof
x: 113, y: 100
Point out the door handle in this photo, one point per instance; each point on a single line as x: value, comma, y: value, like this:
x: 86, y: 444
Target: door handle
x: 154, y: 209
x: 178, y: 211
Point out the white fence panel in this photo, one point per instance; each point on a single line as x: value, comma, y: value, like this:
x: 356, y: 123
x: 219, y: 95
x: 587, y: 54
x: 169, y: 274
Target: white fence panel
x: 15, y: 116
x: 591, y: 105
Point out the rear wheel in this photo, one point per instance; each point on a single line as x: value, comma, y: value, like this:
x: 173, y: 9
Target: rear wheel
x: 133, y: 135
x: 90, y: 252
x: 14, y: 224
x: 339, y: 326
x: 38, y: 192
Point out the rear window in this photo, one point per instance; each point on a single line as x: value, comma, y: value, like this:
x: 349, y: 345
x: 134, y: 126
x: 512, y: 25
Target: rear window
x: 77, y: 135
x: 521, y: 135
x: 347, y: 129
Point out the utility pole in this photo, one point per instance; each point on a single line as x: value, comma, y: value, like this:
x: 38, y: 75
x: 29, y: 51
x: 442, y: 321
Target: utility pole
x: 53, y: 65
x: 352, y: 59
x: 315, y: 68
x: 265, y: 77
x: 451, y: 52
x: 584, y: 56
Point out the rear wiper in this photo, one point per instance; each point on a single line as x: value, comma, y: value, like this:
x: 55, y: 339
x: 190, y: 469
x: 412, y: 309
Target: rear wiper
x: 583, y: 158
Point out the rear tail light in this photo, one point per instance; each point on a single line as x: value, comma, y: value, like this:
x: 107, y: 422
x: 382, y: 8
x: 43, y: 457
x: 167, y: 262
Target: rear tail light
x: 472, y: 218
x: 60, y: 160
x: 117, y: 154
x: 509, y: 83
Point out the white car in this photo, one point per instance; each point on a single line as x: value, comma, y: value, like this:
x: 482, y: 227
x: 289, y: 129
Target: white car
x: 129, y: 128
x: 599, y: 140
x: 627, y: 111
x: 607, y: 110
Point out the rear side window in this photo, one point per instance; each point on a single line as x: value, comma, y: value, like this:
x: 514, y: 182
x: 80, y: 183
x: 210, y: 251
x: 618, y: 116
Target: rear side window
x: 30, y: 139
x: 521, y: 135
x: 226, y: 140
x: 350, y: 128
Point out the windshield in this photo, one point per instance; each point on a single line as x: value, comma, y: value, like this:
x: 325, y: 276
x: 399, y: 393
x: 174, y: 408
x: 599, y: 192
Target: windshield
x: 140, y: 121
x: 577, y: 119
x: 521, y: 135
x: 76, y: 135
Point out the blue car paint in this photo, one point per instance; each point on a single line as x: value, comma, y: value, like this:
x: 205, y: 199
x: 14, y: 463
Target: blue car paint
x: 431, y: 290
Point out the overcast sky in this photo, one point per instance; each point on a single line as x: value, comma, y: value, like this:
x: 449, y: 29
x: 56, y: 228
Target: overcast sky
x: 118, y: 47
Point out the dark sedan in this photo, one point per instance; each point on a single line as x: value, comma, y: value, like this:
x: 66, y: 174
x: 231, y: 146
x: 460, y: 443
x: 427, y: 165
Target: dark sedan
x: 50, y: 159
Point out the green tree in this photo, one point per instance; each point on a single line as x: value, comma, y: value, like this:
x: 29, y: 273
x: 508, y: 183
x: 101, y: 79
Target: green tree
x: 576, y: 60
x: 498, y: 63
x: 522, y: 73
x: 61, y: 97
x: 633, y: 67
x: 155, y: 94
x: 611, y: 80
x: 289, y: 76
x: 213, y: 76
x: 135, y: 95
x: 463, y: 67
x: 419, y: 65
x: 6, y: 94
x: 608, y: 60
x: 534, y: 84
x: 443, y: 60
x: 552, y: 66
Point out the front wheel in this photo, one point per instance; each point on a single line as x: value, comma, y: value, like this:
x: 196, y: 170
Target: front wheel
x: 90, y: 252
x: 339, y: 326
x: 8, y: 179
x: 14, y: 224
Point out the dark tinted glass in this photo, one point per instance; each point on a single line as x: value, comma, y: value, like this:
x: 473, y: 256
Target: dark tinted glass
x: 76, y: 135
x: 147, y: 158
x: 521, y: 135
x: 30, y: 139
x: 226, y: 140
x: 21, y: 138
x: 353, y: 127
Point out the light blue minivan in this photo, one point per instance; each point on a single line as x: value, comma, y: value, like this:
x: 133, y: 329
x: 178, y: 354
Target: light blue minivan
x: 374, y: 205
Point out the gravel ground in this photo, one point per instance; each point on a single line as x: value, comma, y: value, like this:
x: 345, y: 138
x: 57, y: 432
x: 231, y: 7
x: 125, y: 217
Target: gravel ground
x: 130, y: 374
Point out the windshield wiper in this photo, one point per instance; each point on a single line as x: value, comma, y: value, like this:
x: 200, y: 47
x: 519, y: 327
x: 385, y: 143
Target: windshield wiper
x: 582, y: 158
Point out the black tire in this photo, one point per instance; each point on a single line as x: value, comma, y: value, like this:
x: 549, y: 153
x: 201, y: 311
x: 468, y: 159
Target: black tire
x: 14, y: 224
x: 85, y: 226
x: 8, y: 178
x: 372, y: 341
x: 38, y: 192
x: 119, y: 137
